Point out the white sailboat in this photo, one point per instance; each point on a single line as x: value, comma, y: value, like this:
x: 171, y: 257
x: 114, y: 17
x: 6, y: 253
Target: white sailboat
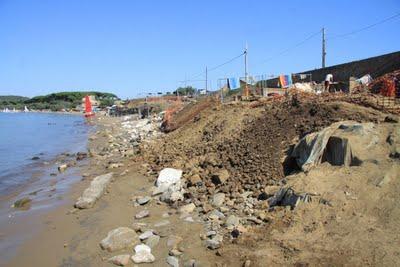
x: 26, y: 109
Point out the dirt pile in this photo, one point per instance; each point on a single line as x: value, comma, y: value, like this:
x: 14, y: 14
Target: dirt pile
x: 251, y: 144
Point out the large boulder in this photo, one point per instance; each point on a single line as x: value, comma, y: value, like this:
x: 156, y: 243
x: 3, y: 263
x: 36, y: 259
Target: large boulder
x: 94, y: 191
x: 119, y: 238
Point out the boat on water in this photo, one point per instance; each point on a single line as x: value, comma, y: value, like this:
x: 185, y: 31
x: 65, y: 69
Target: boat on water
x: 26, y: 109
x: 88, y: 107
x: 6, y: 110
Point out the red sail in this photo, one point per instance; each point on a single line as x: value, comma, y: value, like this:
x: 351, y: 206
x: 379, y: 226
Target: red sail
x: 88, y: 107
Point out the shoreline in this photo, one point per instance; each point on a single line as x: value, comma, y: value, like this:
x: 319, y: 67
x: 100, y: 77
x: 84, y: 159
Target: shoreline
x: 72, y: 235
x: 47, y: 189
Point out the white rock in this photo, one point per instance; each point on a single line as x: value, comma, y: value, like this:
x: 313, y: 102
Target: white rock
x: 94, y: 191
x: 119, y: 238
x: 143, y: 257
x: 142, y: 247
x: 173, y: 261
x: 146, y: 235
x: 168, y: 176
x: 142, y: 214
x: 120, y: 260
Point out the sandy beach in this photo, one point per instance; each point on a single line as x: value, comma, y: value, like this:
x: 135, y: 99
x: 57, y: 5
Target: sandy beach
x: 70, y: 237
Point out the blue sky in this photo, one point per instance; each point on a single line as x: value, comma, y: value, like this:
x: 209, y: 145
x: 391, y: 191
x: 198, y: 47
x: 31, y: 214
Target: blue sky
x: 135, y: 47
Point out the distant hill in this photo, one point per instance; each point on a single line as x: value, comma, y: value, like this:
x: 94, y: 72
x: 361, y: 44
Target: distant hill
x: 55, y: 101
x: 12, y: 98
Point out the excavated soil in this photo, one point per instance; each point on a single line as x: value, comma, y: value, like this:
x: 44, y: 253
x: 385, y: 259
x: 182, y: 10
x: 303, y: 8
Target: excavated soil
x: 251, y: 143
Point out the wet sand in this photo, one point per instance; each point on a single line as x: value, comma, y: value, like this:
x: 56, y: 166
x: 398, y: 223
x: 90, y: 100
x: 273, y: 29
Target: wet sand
x: 70, y: 237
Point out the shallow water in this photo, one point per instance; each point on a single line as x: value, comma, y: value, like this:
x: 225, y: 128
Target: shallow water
x: 45, y: 135
x: 50, y: 137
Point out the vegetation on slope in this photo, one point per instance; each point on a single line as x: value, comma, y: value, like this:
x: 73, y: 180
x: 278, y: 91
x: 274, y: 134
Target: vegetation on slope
x: 55, y: 101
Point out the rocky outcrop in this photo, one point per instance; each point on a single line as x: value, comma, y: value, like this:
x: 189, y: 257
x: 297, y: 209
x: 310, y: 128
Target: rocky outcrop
x: 94, y: 191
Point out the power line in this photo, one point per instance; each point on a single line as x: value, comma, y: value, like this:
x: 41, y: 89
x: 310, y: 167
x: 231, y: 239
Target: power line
x: 218, y: 66
x: 365, y: 28
x: 290, y: 48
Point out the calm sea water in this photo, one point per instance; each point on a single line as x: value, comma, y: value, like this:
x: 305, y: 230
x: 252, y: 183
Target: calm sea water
x: 45, y: 135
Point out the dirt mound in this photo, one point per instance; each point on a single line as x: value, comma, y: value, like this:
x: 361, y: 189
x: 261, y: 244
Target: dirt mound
x: 250, y: 143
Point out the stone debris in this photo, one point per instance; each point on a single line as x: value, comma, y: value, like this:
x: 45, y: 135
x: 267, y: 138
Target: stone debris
x: 173, y: 261
x: 287, y: 197
x: 143, y: 254
x: 191, y: 263
x: 174, y: 241
x: 188, y: 208
x: 218, y: 199
x: 168, y: 177
x: 162, y: 223
x: 152, y: 241
x: 94, y: 191
x: 232, y: 220
x: 119, y: 238
x: 142, y: 214
x: 120, y: 260
x: 62, y: 167
x: 220, y: 177
x: 143, y: 200
x: 22, y: 203
x: 146, y: 235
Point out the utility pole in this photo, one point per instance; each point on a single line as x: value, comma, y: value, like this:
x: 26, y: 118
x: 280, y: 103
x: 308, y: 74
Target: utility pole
x: 323, y: 48
x: 246, y: 89
x: 206, y: 80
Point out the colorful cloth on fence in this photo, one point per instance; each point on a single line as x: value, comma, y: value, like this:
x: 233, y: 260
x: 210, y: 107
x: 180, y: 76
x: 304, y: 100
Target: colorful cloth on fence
x: 285, y: 80
x: 232, y: 83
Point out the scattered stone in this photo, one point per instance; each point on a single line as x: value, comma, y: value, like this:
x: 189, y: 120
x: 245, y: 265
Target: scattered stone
x: 220, y: 177
x: 254, y: 220
x: 174, y: 241
x: 146, y: 235
x: 391, y: 119
x: 120, y: 260
x: 94, y: 191
x: 213, y: 244
x: 119, y: 238
x: 218, y: 199
x: 143, y: 200
x: 81, y: 155
x: 173, y: 261
x: 232, y: 220
x: 188, y: 208
x: 191, y: 263
x: 195, y: 180
x: 189, y: 219
x: 62, y: 167
x: 142, y: 214
x: 215, y: 214
x: 142, y: 247
x: 22, y: 203
x: 211, y: 233
x: 143, y: 257
x: 175, y: 252
x: 152, y: 241
x: 162, y: 223
x: 287, y: 197
x: 247, y: 263
x: 138, y: 226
